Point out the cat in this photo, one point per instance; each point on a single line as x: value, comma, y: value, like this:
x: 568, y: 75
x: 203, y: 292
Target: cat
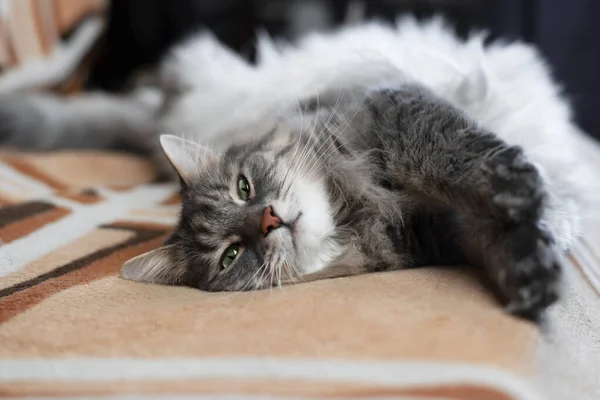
x: 367, y: 149
x: 385, y: 179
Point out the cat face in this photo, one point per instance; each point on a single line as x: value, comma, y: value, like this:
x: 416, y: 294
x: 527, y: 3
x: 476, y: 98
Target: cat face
x: 252, y: 217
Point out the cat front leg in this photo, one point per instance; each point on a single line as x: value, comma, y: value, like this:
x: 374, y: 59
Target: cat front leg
x: 436, y: 152
x: 521, y: 261
x: 518, y: 248
x: 431, y: 148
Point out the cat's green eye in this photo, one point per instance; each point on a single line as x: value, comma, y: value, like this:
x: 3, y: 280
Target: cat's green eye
x: 243, y: 187
x: 229, y: 255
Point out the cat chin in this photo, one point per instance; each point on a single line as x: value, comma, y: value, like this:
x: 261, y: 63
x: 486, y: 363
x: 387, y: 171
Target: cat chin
x: 314, y: 230
x: 310, y: 249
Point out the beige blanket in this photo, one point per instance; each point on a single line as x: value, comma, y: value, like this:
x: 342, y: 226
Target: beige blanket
x: 70, y: 327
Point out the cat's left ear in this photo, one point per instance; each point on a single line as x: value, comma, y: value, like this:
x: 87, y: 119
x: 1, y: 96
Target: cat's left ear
x: 188, y: 158
x: 155, y: 266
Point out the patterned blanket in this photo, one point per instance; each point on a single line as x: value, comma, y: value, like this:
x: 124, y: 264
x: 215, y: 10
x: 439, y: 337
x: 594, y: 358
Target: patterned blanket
x: 71, y: 328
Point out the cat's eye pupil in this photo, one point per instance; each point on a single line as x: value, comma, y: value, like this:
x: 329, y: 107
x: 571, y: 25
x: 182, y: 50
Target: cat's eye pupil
x: 229, y: 255
x: 243, y: 188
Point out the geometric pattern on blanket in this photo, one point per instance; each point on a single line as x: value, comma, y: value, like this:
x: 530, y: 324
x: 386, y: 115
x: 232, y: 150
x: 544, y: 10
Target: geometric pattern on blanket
x: 70, y: 327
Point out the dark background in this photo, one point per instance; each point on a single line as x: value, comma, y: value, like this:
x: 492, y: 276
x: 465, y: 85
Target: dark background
x: 566, y: 32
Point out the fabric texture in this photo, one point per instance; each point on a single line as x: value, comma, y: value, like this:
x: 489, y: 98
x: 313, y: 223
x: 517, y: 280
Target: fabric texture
x: 70, y: 326
x: 49, y: 44
x: 32, y: 29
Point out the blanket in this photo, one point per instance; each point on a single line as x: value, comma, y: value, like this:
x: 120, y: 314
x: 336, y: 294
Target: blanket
x: 70, y: 327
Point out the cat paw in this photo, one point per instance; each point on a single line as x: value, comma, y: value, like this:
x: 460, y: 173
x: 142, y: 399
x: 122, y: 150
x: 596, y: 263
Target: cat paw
x: 532, y: 282
x: 517, y: 190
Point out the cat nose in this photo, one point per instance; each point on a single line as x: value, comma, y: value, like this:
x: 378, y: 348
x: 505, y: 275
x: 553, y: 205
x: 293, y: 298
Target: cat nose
x: 269, y: 221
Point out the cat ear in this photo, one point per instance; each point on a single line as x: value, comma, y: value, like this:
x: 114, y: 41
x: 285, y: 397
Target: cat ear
x: 156, y: 266
x: 187, y: 157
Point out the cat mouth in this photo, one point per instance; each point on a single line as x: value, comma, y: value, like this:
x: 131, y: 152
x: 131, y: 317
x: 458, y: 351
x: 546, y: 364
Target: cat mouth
x: 294, y: 224
x: 293, y: 227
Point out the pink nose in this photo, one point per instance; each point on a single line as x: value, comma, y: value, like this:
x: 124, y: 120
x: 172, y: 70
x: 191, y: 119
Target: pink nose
x: 269, y: 221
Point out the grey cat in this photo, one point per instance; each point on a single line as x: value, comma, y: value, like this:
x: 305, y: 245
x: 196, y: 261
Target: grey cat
x: 366, y: 182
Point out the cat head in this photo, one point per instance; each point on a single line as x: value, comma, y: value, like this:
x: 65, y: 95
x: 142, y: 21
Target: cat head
x: 252, y: 216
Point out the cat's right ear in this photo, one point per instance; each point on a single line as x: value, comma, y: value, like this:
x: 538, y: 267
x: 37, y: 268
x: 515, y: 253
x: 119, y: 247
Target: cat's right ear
x: 188, y: 158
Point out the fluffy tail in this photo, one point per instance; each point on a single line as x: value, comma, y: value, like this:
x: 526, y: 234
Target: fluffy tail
x: 36, y: 121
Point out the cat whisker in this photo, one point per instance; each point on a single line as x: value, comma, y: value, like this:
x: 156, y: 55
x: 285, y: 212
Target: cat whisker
x: 340, y: 129
x: 266, y: 269
x: 317, y: 157
x: 272, y: 272
x: 294, y: 274
x: 306, y: 145
x: 323, y: 135
x: 297, y: 145
x: 306, y: 154
x: 251, y: 280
